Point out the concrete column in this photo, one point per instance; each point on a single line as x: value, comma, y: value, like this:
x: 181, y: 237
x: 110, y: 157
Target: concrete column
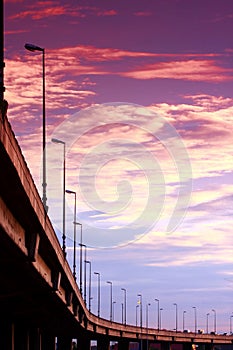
x: 48, y: 342
x: 64, y: 343
x: 103, y: 344
x: 208, y: 346
x: 123, y: 344
x: 187, y: 346
x: 35, y: 339
x: 165, y: 345
x: 83, y: 343
x: 6, y: 335
x: 21, y: 337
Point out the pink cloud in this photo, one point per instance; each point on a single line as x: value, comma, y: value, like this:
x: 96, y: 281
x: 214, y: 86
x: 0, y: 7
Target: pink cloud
x: 194, y: 70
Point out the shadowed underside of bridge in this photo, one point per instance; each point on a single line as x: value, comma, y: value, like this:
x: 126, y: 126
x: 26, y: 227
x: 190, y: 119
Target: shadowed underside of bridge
x: 39, y: 298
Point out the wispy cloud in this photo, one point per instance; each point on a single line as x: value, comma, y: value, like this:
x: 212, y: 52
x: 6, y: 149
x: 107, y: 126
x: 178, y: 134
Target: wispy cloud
x: 193, y: 70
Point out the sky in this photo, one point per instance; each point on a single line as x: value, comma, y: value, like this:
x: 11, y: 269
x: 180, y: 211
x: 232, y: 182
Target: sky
x: 141, y: 94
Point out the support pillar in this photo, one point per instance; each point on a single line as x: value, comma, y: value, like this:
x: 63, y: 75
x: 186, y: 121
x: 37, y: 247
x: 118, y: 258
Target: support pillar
x: 64, y: 343
x: 6, y: 335
x: 103, y: 344
x: 165, y: 345
x: 83, y: 343
x: 35, y: 339
x: 21, y: 337
x: 48, y: 342
x: 187, y: 346
x: 123, y: 344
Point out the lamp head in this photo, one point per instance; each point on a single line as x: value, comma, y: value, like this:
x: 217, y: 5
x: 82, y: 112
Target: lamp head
x: 32, y: 47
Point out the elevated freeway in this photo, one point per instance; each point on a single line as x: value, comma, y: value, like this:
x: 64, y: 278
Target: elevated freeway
x: 40, y: 303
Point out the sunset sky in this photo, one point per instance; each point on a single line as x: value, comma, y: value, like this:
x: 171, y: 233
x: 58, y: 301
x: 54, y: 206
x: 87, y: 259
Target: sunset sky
x: 141, y: 92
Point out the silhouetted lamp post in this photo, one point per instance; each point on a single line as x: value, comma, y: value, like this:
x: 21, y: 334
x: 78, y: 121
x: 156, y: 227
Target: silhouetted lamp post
x: 160, y: 317
x: 64, y: 193
x: 158, y: 312
x: 124, y: 290
x: 74, y: 223
x: 33, y: 48
x: 231, y: 324
x: 113, y: 308
x: 195, y: 318
x: 184, y: 312
x: 109, y: 282
x: 137, y: 306
x: 85, y: 270
x: 89, y: 262
x: 81, y: 245
x: 215, y: 323
x: 140, y: 304
x: 176, y: 327
x: 98, y: 296
x: 207, y: 323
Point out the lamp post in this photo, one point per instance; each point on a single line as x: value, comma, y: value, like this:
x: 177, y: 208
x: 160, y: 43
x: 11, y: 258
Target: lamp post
x: 113, y: 307
x: 64, y: 193
x: 98, y: 296
x: 89, y: 262
x: 85, y: 270
x: 158, y: 312
x: 231, y: 324
x: 33, y: 48
x: 215, y: 323
x: 140, y: 303
x: 147, y: 315
x: 160, y: 317
x: 137, y: 306
x: 207, y: 323
x: 109, y: 282
x: 124, y: 290
x: 147, y: 322
x: 195, y: 318
x: 175, y: 304
x: 122, y: 313
x: 176, y: 326
x: 74, y: 223
x: 81, y: 245
x: 184, y: 312
x: 2, y: 64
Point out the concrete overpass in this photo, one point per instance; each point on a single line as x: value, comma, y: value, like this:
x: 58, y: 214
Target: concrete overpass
x: 40, y: 302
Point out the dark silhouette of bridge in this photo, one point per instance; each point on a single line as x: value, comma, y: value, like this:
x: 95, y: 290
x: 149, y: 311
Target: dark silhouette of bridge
x: 41, y: 306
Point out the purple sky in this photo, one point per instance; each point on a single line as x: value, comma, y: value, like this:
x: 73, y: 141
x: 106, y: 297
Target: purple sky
x: 141, y: 92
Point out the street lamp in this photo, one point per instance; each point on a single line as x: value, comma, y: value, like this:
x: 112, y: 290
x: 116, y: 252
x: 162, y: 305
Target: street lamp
x: 215, y: 326
x: 64, y: 192
x: 160, y: 317
x: 81, y: 245
x: 147, y: 318
x: 33, y: 48
x: 140, y: 303
x: 2, y: 64
x: 175, y: 304
x: 137, y: 306
x: 147, y: 315
x: 184, y: 312
x: 113, y: 307
x: 207, y: 323
x: 74, y: 223
x: 195, y: 318
x: 85, y: 270
x: 89, y: 262
x: 158, y: 312
x: 109, y: 282
x: 122, y: 313
x: 124, y: 290
x: 231, y: 324
x: 98, y: 297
